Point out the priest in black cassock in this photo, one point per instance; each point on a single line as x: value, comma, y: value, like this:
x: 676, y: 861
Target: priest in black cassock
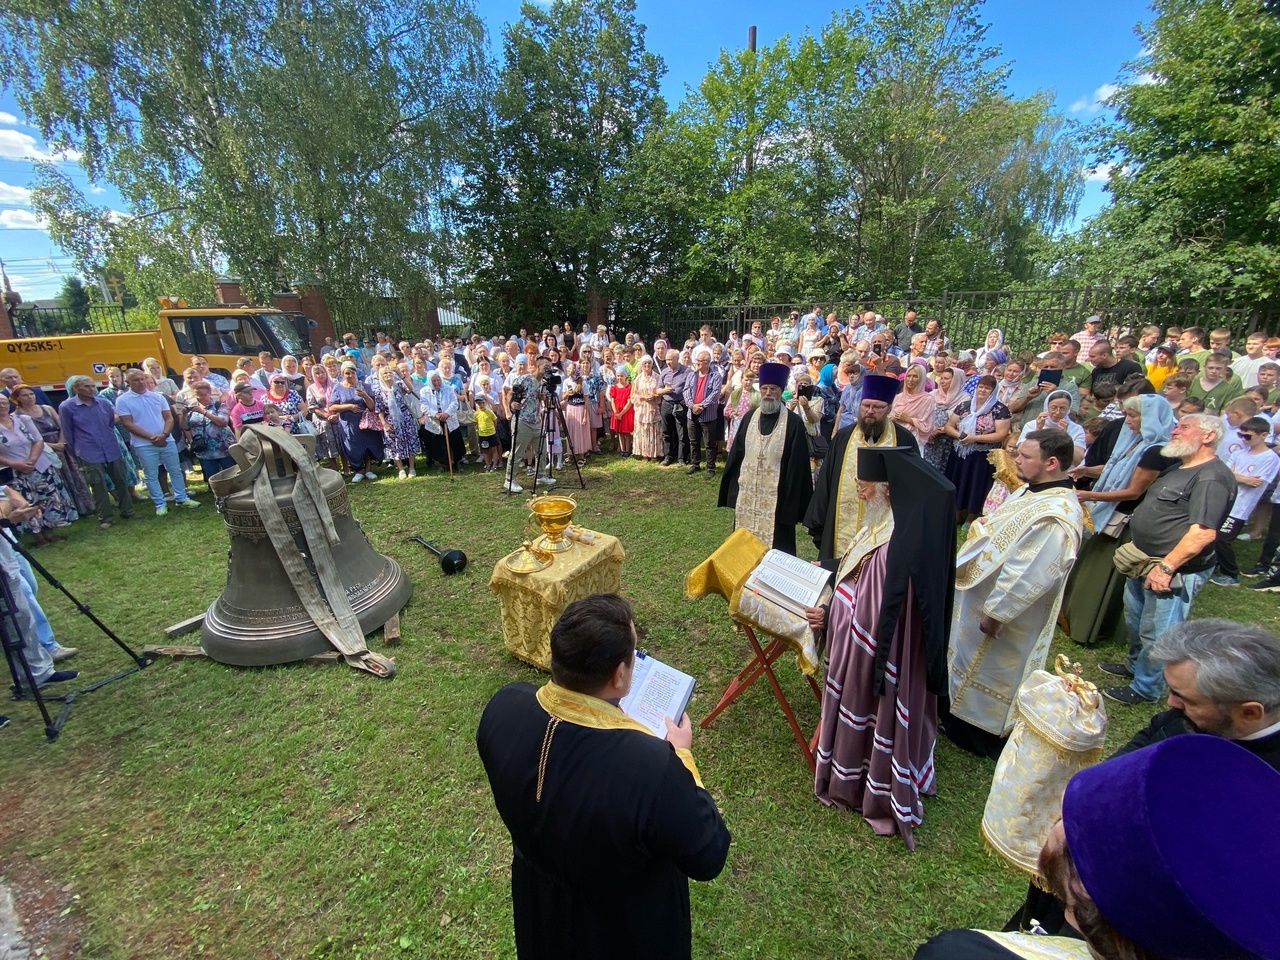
x: 766, y: 475
x: 835, y: 513
x: 608, y: 822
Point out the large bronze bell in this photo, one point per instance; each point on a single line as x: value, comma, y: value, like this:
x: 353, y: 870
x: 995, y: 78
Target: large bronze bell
x: 261, y: 616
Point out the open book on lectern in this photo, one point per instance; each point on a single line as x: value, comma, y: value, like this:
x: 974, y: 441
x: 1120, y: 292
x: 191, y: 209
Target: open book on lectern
x: 788, y: 581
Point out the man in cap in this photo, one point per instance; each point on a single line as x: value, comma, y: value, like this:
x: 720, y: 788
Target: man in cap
x: 766, y: 475
x: 1091, y: 334
x: 1010, y: 575
x: 835, y: 512
x: 886, y: 627
x: 608, y: 822
x: 1167, y: 852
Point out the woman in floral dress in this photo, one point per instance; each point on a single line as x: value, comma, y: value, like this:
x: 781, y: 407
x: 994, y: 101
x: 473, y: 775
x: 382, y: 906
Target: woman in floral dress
x: 399, y: 426
x: 34, y: 475
x: 647, y: 436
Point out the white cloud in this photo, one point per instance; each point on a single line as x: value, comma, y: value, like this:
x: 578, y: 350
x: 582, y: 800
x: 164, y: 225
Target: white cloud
x: 1094, y: 103
x: 14, y: 196
x: 15, y: 145
x: 1099, y: 174
x: 20, y: 220
x: 94, y: 188
x: 8, y: 118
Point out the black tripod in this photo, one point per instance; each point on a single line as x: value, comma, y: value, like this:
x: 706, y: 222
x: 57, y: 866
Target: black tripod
x: 544, y: 394
x: 24, y: 683
x: 552, y: 414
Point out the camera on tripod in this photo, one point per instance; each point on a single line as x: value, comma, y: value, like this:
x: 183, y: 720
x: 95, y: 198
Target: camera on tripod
x: 551, y: 379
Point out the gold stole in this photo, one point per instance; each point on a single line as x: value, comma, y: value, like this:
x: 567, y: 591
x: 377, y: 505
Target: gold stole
x: 587, y: 711
x: 1006, y: 525
x: 849, y: 509
x: 864, y: 542
x: 759, y: 476
x: 1040, y: 947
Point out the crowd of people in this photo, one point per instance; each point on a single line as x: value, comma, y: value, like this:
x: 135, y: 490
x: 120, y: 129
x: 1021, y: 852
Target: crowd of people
x: 968, y: 503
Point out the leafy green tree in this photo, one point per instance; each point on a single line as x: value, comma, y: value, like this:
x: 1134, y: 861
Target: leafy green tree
x: 1194, y: 156
x: 280, y: 141
x: 546, y: 220
x: 881, y: 155
x: 74, y: 298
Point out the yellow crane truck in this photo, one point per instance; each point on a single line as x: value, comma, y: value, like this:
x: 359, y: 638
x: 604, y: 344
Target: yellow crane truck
x: 220, y: 334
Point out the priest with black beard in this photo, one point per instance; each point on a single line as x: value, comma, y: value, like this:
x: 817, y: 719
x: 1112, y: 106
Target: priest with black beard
x: 766, y: 475
x: 835, y: 513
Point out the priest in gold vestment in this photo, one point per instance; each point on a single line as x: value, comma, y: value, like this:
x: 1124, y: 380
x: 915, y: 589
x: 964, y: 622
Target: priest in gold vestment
x: 1010, y: 576
x: 766, y: 475
x: 835, y: 513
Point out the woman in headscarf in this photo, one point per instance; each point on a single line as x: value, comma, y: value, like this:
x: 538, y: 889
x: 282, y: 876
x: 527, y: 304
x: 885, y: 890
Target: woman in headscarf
x: 913, y: 408
x: 1010, y: 385
x: 830, y: 394
x: 289, y: 367
x: 647, y: 436
x: 399, y: 423
x: 287, y: 400
x: 994, y: 341
x: 948, y: 395
x: 1092, y: 608
x: 1056, y: 415
x: 349, y: 400
x: 977, y: 426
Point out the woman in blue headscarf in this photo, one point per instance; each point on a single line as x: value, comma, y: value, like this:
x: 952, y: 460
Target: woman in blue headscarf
x: 1093, y: 606
x: 830, y: 394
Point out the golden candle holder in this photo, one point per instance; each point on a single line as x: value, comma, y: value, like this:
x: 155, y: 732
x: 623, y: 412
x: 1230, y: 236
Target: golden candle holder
x: 553, y: 513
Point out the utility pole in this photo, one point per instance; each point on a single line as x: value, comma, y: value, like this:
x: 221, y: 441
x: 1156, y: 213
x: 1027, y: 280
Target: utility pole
x: 749, y: 162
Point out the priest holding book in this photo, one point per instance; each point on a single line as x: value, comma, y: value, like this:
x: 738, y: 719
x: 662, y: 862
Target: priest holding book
x: 886, y: 628
x: 766, y: 475
x: 608, y: 821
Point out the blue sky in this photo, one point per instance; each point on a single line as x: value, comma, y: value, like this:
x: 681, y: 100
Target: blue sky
x: 1073, y: 50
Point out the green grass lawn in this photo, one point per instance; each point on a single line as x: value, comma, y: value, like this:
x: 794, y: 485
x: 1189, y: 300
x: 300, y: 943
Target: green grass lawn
x: 315, y: 811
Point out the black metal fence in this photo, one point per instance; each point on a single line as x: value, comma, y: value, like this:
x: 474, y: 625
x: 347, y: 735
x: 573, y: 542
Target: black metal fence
x: 33, y: 321
x: 1026, y: 317
x: 366, y: 316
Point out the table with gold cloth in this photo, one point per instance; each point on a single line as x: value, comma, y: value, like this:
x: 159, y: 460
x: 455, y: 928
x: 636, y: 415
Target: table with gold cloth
x: 531, y: 602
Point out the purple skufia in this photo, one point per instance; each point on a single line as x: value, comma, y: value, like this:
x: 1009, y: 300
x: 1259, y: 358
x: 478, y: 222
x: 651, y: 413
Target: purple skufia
x: 877, y: 387
x: 1178, y: 843
x: 774, y: 375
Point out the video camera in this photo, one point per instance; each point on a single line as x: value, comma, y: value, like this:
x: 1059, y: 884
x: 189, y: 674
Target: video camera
x: 551, y: 379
